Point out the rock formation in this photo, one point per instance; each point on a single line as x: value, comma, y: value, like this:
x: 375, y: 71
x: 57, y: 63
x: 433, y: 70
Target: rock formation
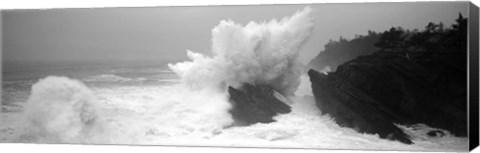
x: 255, y: 104
x: 371, y: 93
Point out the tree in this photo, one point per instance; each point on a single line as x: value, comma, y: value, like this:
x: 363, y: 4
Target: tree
x: 391, y: 39
x: 458, y: 35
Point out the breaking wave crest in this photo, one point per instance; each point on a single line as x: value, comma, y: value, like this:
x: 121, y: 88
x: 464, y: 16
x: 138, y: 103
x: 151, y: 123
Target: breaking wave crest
x: 59, y: 109
x: 258, y: 53
x: 111, y: 78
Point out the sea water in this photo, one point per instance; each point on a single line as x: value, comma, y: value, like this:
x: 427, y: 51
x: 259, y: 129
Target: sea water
x: 146, y: 104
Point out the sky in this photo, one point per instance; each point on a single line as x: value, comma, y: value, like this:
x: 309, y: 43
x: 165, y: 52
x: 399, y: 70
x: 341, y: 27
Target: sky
x: 159, y: 33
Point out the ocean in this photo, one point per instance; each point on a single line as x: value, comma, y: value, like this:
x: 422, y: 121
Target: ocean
x: 18, y: 78
x: 147, y: 104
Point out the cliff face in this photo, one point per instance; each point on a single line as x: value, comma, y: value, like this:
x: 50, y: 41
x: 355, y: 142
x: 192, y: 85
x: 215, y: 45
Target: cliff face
x: 371, y: 93
x: 255, y: 104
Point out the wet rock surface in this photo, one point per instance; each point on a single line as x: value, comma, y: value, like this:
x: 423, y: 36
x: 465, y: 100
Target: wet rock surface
x: 255, y: 104
x: 371, y: 93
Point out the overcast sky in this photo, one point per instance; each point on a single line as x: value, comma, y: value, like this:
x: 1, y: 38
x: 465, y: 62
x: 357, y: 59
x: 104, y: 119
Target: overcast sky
x: 157, y: 33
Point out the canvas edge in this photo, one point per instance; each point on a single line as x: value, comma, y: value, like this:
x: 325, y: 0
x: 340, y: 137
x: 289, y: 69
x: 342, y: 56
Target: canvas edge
x: 473, y: 66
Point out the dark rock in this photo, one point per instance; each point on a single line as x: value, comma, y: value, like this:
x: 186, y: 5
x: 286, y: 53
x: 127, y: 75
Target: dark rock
x: 371, y: 93
x: 436, y: 133
x: 255, y: 104
x: 351, y: 108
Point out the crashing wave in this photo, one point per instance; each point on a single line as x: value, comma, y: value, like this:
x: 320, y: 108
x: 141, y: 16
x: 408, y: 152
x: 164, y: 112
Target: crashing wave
x: 59, y: 109
x: 257, y: 53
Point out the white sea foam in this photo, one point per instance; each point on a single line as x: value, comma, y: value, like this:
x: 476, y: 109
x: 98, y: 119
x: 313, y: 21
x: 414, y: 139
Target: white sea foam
x: 136, y: 115
x: 326, y: 70
x: 112, y: 78
x: 305, y: 87
x: 258, y: 53
x: 59, y: 109
x: 177, y: 115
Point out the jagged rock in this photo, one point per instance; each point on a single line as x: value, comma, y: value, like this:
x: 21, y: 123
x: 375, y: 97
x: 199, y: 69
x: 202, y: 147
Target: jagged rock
x: 371, y: 93
x: 255, y: 104
x: 436, y: 133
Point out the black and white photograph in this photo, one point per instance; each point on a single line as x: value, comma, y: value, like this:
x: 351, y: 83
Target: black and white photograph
x: 350, y: 76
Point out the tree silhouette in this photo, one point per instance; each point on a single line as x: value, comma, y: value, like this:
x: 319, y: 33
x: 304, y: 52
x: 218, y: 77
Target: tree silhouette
x: 457, y: 36
x: 392, y: 39
x: 433, y: 38
x: 412, y: 44
x: 339, y: 51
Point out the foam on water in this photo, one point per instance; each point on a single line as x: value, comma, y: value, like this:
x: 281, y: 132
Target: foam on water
x: 110, y: 77
x: 178, y: 115
x: 58, y: 110
x: 164, y: 118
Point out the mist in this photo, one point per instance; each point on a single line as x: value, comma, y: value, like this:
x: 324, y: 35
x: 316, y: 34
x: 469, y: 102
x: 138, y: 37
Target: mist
x: 160, y: 33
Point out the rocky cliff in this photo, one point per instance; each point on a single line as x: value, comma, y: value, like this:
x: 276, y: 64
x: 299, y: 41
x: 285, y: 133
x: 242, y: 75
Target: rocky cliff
x: 371, y: 93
